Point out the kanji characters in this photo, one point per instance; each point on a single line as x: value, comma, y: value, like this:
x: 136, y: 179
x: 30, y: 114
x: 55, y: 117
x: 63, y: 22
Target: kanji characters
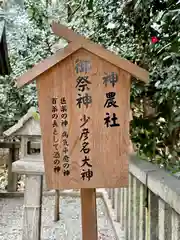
x: 82, y: 66
x: 86, y: 174
x: 65, y: 150
x: 63, y: 108
x: 54, y: 100
x: 57, y: 169
x: 84, y: 148
x: 56, y: 154
x: 63, y: 100
x: 64, y: 123
x: 86, y: 161
x: 66, y: 172
x: 82, y: 83
x: 54, y: 109
x: 85, y: 120
x: 113, y: 120
x: 111, y: 78
x: 65, y: 134
x: 110, y: 102
x: 54, y: 123
x: 84, y: 134
x: 65, y: 142
x: 85, y: 99
x: 65, y: 158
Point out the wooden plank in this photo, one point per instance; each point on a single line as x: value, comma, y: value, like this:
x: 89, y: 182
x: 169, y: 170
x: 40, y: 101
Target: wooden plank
x: 46, y: 64
x: 109, y: 193
x: 117, y: 204
x: 175, y: 226
x: 136, y: 207
x: 12, y: 177
x: 153, y: 213
x: 113, y: 198
x: 161, y: 222
x: 66, y: 33
x: 107, y: 159
x: 32, y: 210
x: 89, y: 215
x: 24, y: 141
x: 134, y: 203
x: 79, y: 42
x: 124, y: 64
x: 125, y: 215
x: 56, y: 207
x: 142, y: 213
x: 9, y: 145
x: 122, y: 207
x: 126, y: 193
x: 129, y: 231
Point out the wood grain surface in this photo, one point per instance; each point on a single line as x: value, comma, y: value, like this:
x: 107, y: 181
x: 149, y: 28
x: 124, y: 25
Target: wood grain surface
x: 108, y: 145
x: 89, y: 214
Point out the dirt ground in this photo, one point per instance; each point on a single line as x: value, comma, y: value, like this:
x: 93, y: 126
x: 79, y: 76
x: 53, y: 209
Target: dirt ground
x: 68, y: 228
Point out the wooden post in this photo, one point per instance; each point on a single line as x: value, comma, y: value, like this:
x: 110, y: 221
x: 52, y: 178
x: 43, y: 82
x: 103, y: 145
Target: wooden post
x: 89, y: 215
x: 23, y: 147
x: 56, y: 207
x: 12, y: 177
x: 32, y: 208
x: 28, y: 147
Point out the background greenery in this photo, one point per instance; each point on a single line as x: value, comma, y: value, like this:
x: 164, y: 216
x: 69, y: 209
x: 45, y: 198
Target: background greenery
x: 125, y: 27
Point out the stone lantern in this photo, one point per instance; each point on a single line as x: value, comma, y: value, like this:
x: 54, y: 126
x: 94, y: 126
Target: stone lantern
x: 32, y: 166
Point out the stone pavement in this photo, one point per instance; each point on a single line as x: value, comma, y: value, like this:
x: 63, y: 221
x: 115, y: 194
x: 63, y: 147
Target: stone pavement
x: 68, y: 228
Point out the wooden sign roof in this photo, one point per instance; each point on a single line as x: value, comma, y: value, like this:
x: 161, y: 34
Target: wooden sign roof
x: 84, y: 103
x: 79, y: 42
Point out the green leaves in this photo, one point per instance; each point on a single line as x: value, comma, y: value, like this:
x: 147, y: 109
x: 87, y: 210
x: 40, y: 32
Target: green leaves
x: 126, y: 27
x: 36, y: 116
x: 29, y: 41
x: 90, y: 5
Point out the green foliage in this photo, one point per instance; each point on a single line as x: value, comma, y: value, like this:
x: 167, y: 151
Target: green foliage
x: 126, y: 27
x: 29, y: 41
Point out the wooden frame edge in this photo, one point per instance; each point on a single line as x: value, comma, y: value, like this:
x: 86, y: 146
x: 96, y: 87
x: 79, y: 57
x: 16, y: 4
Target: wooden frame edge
x: 46, y: 64
x: 68, y: 34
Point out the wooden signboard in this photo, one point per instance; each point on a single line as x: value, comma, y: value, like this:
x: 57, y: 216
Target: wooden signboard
x: 84, y: 109
x: 84, y: 93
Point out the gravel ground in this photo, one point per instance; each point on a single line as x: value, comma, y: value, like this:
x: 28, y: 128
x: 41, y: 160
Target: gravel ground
x: 68, y: 228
